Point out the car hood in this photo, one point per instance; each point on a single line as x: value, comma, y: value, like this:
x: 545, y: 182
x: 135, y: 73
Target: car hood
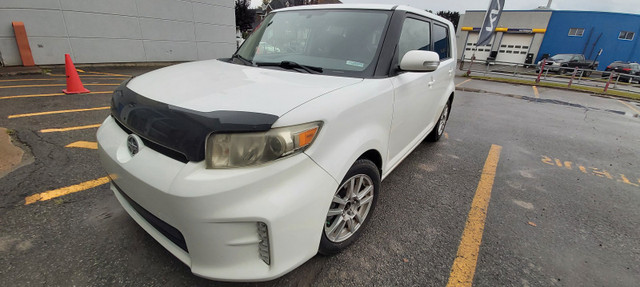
x: 214, y: 85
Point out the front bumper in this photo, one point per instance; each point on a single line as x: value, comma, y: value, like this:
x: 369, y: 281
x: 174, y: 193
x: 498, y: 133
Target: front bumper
x: 217, y: 211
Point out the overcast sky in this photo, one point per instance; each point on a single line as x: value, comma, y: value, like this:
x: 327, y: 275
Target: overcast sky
x: 623, y: 6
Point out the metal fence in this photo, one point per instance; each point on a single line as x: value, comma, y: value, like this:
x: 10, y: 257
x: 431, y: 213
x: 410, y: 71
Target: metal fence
x: 559, y: 75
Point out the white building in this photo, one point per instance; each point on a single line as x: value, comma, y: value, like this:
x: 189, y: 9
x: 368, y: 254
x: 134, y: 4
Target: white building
x: 108, y: 31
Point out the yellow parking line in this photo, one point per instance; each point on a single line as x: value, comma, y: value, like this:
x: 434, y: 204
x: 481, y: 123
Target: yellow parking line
x: 464, y: 266
x: 106, y: 74
x: 83, y: 144
x: 54, y: 79
x: 463, y: 82
x: 51, y: 194
x: 630, y: 106
x: 535, y: 92
x: 56, y: 112
x: 48, y: 95
x: 88, y: 75
x: 70, y: 128
x: 52, y: 85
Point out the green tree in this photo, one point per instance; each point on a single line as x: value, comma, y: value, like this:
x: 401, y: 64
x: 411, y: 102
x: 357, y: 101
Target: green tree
x: 452, y: 16
x: 244, y: 15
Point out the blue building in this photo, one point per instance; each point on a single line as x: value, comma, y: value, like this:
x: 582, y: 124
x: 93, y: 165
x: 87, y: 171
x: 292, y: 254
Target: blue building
x: 582, y: 32
x: 524, y: 36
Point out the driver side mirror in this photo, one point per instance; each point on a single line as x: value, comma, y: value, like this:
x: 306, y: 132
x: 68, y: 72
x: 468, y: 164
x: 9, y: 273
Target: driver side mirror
x: 420, y: 61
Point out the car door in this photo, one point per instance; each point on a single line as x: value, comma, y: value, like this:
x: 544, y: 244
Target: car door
x: 417, y: 94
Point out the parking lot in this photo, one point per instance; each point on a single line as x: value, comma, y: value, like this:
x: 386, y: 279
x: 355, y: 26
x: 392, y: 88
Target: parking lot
x: 541, y: 186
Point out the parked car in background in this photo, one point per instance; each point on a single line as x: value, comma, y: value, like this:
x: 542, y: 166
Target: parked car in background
x: 626, y: 70
x: 245, y: 168
x: 566, y: 63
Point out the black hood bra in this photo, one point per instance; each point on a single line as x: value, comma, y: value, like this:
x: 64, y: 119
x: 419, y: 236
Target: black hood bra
x: 178, y: 129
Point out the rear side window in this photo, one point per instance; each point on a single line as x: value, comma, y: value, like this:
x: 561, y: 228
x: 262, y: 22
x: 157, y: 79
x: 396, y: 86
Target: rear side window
x: 416, y: 35
x: 441, y: 41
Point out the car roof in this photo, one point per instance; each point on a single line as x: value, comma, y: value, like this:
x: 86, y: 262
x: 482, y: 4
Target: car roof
x: 382, y: 7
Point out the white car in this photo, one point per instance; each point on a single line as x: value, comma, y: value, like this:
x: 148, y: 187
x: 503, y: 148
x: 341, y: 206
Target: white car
x: 245, y: 168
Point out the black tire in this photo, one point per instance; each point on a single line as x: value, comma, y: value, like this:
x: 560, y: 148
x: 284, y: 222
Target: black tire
x: 361, y: 167
x: 437, y: 133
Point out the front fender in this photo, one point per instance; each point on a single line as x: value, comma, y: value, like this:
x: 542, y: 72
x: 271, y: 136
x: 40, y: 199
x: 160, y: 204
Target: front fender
x: 356, y: 118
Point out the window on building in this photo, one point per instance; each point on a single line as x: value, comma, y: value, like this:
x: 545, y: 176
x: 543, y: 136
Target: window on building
x: 626, y: 35
x: 576, y: 32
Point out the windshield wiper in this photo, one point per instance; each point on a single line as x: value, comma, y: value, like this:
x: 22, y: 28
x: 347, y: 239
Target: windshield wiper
x: 290, y: 65
x: 243, y: 59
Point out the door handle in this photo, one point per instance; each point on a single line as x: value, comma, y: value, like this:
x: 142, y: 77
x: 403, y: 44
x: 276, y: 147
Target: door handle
x: 450, y: 72
x: 430, y: 83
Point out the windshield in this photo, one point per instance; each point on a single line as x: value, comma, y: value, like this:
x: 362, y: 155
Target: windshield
x: 562, y: 57
x: 343, y: 42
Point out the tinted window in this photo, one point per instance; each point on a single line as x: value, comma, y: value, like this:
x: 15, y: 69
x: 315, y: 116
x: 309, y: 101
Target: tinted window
x: 441, y: 41
x: 415, y: 35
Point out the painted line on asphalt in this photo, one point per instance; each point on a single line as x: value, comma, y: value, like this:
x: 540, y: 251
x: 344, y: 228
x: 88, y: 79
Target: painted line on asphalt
x: 70, y: 129
x: 586, y: 169
x: 49, y: 95
x: 54, y: 79
x: 62, y: 76
x: 464, y: 266
x: 535, y: 92
x: 83, y: 144
x: 56, y: 112
x: 51, y: 194
x: 106, y: 74
x: 466, y: 81
x: 630, y: 106
x: 51, y: 85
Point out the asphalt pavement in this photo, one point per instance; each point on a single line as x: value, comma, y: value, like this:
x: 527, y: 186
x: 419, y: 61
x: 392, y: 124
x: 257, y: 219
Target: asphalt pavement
x: 562, y: 209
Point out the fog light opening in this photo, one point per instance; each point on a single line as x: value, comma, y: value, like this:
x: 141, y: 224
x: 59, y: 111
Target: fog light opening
x: 263, y: 246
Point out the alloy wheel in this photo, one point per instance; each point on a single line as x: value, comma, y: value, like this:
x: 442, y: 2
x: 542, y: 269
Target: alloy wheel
x: 349, y: 208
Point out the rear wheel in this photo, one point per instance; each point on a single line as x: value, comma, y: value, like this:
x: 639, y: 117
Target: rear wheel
x: 351, y: 207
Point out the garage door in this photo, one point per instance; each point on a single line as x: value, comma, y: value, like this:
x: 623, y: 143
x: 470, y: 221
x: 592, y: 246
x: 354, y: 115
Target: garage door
x: 514, y: 48
x: 483, y: 51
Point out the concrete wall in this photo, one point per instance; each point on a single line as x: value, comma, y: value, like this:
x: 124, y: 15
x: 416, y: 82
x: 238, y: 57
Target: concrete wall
x: 531, y: 19
x: 103, y: 31
x: 601, y: 31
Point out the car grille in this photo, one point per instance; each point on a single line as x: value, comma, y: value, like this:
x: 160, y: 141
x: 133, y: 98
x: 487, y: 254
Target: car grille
x: 167, y: 230
x: 156, y: 147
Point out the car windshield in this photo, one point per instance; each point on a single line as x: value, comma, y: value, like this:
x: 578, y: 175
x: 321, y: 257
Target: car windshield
x: 562, y: 57
x: 343, y: 42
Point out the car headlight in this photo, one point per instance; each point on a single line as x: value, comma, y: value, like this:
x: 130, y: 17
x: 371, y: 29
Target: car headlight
x: 246, y: 149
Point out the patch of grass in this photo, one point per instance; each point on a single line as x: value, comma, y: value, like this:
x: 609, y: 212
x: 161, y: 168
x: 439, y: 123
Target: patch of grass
x: 10, y: 132
x: 58, y: 201
x: 579, y: 88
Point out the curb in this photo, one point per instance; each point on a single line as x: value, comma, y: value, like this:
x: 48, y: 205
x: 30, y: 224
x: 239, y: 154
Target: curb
x: 17, y: 71
x: 556, y: 88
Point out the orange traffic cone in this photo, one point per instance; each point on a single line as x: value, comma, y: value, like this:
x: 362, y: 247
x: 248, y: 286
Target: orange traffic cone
x: 74, y: 85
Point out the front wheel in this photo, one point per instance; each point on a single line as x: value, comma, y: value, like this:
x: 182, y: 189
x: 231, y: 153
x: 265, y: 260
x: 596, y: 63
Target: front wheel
x: 351, y: 207
x: 438, y: 130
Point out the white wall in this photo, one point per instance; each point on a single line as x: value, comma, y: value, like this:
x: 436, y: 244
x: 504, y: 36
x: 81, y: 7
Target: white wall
x: 106, y: 31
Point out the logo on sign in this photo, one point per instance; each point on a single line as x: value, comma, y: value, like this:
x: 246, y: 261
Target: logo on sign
x: 493, y: 17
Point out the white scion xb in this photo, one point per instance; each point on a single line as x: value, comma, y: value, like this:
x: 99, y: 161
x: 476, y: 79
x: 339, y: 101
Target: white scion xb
x: 246, y: 167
